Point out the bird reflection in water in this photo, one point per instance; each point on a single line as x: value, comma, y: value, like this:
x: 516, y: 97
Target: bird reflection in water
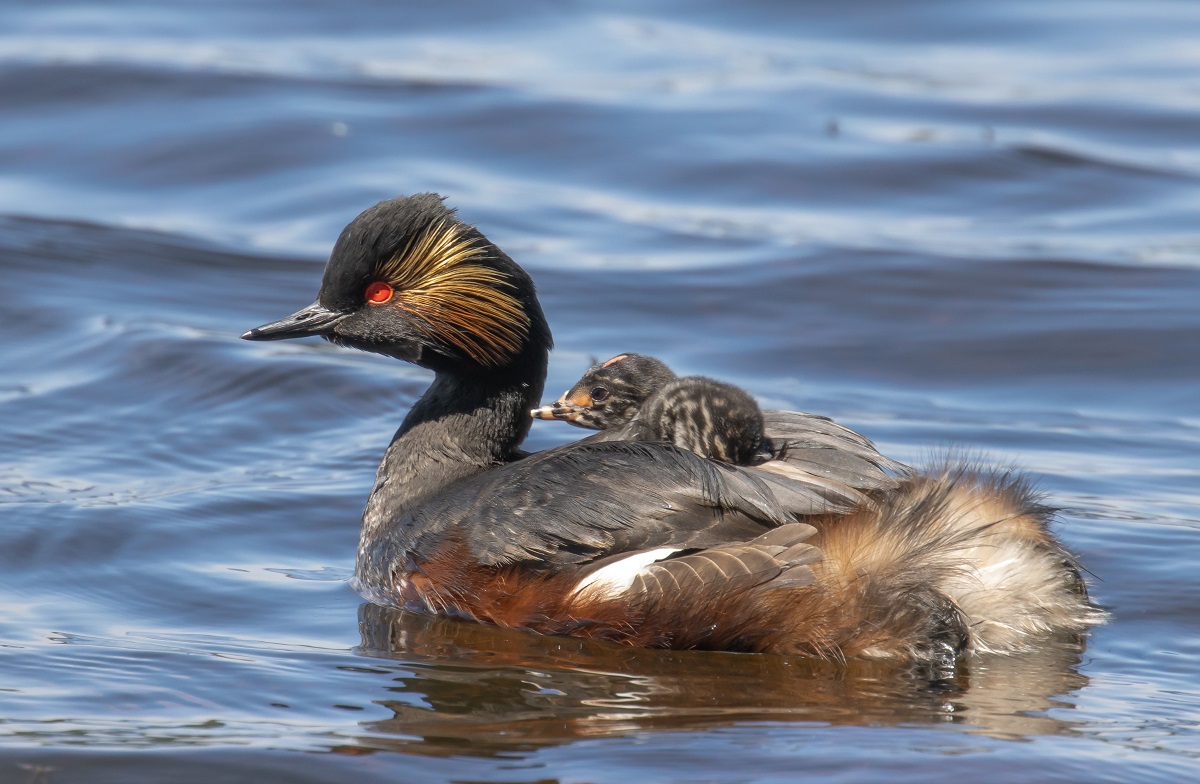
x: 462, y: 688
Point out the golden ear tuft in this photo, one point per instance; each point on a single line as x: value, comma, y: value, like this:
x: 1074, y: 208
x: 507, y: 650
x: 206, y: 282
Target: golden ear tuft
x: 455, y: 299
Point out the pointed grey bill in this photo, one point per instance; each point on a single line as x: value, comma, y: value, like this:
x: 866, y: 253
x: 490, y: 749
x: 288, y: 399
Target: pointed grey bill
x: 313, y: 320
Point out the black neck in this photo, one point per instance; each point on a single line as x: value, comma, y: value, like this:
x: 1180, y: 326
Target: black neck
x: 461, y: 426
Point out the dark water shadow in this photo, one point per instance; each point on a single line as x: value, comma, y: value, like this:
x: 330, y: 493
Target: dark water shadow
x: 461, y: 688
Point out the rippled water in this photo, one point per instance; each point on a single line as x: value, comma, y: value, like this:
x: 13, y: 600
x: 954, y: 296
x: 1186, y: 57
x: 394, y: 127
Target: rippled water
x: 948, y: 225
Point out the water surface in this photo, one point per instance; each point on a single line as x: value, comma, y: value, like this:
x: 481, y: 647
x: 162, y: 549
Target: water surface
x: 953, y: 227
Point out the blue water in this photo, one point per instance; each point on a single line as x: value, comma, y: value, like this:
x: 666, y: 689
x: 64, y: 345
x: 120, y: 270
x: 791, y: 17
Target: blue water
x: 951, y: 226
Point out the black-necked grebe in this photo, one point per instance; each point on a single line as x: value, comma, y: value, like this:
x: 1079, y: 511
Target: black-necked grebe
x: 645, y: 543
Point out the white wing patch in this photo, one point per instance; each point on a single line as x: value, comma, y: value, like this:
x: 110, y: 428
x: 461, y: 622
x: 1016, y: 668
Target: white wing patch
x: 615, y: 579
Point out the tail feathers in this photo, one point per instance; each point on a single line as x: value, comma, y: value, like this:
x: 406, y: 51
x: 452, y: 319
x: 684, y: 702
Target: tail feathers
x: 957, y: 543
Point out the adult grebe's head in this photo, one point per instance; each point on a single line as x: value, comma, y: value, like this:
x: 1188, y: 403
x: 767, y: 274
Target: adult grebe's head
x: 409, y: 280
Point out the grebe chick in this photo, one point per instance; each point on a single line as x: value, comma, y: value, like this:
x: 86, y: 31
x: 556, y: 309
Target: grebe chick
x: 643, y: 398
x: 643, y: 543
x: 612, y: 394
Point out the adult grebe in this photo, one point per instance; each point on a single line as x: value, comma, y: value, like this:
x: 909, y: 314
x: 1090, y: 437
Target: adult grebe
x: 641, y: 399
x: 648, y: 544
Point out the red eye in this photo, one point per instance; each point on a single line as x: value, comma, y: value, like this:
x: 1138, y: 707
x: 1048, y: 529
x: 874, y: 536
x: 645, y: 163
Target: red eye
x: 378, y: 293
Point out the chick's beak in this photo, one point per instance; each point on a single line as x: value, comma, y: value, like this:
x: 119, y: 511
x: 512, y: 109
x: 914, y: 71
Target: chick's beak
x: 556, y: 410
x: 313, y: 320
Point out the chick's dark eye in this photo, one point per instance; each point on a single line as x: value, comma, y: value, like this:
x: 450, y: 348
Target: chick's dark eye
x: 378, y: 292
x: 599, y: 394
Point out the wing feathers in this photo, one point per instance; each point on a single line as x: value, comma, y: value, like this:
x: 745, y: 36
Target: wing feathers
x: 777, y: 559
x: 819, y: 446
